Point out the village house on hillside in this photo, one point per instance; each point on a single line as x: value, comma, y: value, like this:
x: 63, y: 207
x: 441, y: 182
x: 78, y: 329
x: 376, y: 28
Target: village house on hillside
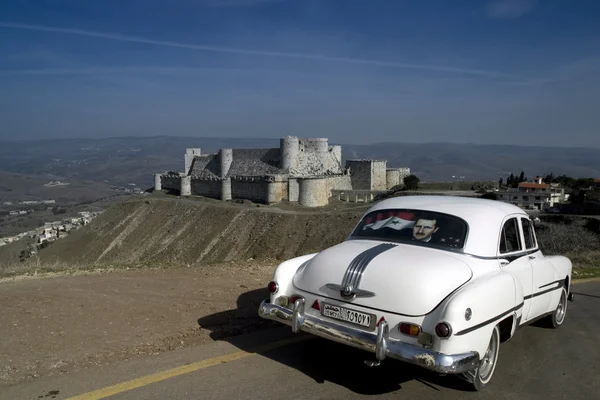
x: 535, y: 195
x: 307, y: 171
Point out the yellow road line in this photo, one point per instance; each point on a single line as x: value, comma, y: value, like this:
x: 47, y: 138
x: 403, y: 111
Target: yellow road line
x: 184, y: 369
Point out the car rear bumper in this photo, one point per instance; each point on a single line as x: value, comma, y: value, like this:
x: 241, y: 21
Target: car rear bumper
x: 377, y: 342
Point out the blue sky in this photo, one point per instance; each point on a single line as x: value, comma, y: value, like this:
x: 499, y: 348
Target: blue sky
x: 356, y: 71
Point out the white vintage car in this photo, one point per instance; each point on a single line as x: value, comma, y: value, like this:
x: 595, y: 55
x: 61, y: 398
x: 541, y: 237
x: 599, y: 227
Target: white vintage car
x: 436, y: 281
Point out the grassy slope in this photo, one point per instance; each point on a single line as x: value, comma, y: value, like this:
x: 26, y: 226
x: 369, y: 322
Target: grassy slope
x: 171, y: 232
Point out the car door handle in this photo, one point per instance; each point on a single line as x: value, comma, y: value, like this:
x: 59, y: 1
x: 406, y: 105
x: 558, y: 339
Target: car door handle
x: 532, y: 257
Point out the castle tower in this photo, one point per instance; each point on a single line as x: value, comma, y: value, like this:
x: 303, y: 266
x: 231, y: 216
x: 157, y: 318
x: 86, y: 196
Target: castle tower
x: 226, y: 189
x: 320, y: 149
x: 186, y: 186
x: 313, y: 192
x: 225, y: 158
x: 336, y: 160
x: 189, y: 158
x: 157, y: 182
x: 289, y: 147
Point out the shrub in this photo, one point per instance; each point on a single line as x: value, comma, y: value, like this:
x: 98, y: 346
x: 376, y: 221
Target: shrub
x: 567, y: 238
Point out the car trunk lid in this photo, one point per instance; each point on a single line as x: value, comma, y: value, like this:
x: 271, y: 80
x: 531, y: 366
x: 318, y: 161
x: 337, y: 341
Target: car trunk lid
x: 400, y: 278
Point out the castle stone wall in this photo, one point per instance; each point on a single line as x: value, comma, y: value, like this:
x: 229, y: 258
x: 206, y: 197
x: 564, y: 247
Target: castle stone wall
x: 170, y: 182
x: 360, y: 173
x: 253, y: 189
x: 395, y: 176
x: 342, y: 182
x: 314, y: 192
x: 277, y: 191
x: 368, y: 174
x: 293, y: 190
x: 189, y: 158
x: 404, y: 172
x: 207, y: 188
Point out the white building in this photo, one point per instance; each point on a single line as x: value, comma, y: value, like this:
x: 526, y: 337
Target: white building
x: 534, y: 195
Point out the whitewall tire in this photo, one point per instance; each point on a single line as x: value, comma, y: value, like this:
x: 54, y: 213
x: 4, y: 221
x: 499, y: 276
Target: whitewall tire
x: 482, y: 375
x: 557, y: 318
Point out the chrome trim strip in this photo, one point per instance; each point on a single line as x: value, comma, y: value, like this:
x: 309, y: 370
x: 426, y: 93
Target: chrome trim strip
x: 379, y: 342
x: 552, y: 283
x: 357, y: 267
x: 530, y: 296
x: 353, y: 275
x: 489, y: 321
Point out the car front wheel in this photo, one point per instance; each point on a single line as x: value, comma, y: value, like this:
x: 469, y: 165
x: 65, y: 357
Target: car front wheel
x: 482, y: 375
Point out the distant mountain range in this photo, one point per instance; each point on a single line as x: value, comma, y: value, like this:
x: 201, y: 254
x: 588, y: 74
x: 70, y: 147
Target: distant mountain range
x: 125, y: 160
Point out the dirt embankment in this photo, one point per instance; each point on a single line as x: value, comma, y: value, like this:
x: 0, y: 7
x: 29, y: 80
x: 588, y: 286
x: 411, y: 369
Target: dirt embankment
x: 176, y: 232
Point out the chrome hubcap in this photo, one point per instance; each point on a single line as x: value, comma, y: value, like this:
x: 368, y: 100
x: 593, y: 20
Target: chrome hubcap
x: 487, y: 364
x: 561, y: 309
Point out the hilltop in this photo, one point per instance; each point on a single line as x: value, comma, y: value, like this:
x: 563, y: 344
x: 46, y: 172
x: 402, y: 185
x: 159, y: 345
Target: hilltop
x: 171, y: 231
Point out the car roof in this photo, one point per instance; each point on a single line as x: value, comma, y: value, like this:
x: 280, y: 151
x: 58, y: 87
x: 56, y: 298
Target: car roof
x: 483, y: 216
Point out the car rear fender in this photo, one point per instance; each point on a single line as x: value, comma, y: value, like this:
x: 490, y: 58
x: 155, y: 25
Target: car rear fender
x: 474, y: 310
x: 284, y: 273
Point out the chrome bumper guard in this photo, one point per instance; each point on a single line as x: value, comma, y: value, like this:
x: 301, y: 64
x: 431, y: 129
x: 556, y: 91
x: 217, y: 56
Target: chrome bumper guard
x: 377, y: 342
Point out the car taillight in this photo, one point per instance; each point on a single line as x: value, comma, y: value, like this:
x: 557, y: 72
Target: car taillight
x: 272, y: 287
x: 409, y: 329
x: 443, y: 330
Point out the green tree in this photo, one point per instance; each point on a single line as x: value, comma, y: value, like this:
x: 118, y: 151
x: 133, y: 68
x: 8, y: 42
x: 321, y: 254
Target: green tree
x: 500, y: 183
x: 522, y: 177
x: 411, y: 182
x: 549, y: 178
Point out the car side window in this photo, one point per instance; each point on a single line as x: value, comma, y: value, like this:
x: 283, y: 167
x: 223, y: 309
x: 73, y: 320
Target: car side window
x: 510, y: 240
x: 528, y: 233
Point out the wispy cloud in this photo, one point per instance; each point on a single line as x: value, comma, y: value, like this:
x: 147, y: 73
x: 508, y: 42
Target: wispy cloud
x: 509, y: 8
x: 239, y: 3
x: 232, y: 50
x: 121, y: 70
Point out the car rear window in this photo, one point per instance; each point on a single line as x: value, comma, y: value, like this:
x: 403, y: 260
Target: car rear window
x: 413, y: 226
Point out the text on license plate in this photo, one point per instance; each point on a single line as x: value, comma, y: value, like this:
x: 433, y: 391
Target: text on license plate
x: 344, y: 314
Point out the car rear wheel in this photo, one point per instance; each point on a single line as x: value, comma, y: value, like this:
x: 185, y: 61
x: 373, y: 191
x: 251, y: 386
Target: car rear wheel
x: 482, y: 375
x: 557, y: 318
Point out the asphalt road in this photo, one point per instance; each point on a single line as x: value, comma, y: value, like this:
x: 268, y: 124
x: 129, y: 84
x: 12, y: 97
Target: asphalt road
x: 539, y: 363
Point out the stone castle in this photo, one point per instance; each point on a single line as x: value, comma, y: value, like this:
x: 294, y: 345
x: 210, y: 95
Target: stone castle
x: 307, y: 171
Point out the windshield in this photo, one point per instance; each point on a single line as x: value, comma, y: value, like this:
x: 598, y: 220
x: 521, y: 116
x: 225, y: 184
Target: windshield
x: 417, y: 226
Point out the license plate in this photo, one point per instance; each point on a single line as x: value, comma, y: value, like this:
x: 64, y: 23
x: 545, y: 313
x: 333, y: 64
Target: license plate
x: 348, y: 315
